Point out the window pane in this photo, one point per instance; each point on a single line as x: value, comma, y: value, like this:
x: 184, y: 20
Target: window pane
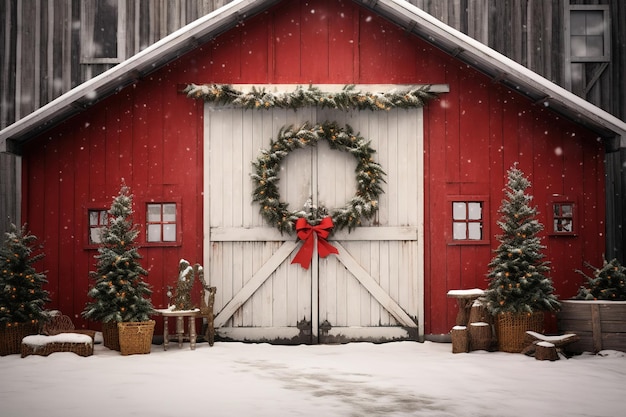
x: 169, y: 212
x: 459, y: 231
x: 93, y: 218
x: 475, y: 231
x: 458, y: 211
x: 154, y: 233
x: 594, y: 22
x: 105, y: 29
x: 475, y: 211
x: 95, y: 235
x: 578, y: 46
x: 103, y: 217
x: 577, y: 22
x: 169, y: 233
x: 566, y: 210
x: 154, y: 213
x: 595, y: 46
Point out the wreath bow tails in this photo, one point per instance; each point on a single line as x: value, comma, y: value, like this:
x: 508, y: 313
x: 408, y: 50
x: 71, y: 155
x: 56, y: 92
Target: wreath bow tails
x: 309, y: 234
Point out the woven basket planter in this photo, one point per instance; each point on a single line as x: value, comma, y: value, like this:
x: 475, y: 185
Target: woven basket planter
x: 511, y: 329
x: 110, y: 335
x: 135, y: 337
x: 11, y: 336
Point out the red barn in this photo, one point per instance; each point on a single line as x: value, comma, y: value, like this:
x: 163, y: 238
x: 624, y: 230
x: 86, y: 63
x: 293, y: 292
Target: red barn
x: 189, y: 163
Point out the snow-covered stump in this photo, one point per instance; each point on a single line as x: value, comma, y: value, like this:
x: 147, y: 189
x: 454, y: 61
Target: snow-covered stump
x: 480, y: 336
x: 546, y: 351
x: 559, y: 341
x: 460, y: 342
x: 479, y: 313
x: 80, y: 344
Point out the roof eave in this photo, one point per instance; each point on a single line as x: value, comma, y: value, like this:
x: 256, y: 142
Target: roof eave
x: 143, y: 63
x: 499, y: 68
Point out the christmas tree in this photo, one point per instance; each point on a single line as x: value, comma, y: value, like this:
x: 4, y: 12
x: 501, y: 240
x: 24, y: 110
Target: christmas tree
x: 607, y: 283
x: 119, y: 293
x: 517, y: 273
x: 22, y: 296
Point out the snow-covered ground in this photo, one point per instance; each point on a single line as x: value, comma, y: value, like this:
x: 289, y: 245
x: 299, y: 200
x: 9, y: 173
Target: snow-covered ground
x: 358, y: 379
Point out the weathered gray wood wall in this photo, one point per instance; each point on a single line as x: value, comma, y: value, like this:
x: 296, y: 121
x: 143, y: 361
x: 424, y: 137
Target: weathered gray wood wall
x: 40, y: 51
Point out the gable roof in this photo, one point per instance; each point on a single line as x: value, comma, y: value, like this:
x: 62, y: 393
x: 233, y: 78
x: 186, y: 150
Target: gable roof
x: 495, y: 65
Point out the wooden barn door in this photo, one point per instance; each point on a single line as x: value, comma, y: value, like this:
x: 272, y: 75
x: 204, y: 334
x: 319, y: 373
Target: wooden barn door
x: 371, y: 291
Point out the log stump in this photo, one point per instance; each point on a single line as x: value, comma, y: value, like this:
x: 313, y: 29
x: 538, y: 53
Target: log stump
x: 480, y: 336
x: 460, y: 342
x: 546, y: 351
x: 479, y: 313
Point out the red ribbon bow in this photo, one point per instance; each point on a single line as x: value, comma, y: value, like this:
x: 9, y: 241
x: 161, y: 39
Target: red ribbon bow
x: 307, y: 235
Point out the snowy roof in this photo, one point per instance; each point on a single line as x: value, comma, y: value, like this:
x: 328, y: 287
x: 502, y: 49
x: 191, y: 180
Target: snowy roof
x: 495, y: 65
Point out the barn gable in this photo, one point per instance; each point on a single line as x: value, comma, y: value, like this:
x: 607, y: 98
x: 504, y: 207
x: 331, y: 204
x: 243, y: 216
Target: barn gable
x: 175, y: 150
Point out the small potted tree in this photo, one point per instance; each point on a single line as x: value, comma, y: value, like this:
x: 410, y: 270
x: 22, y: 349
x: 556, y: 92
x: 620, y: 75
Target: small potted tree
x: 598, y: 312
x: 519, y: 290
x: 120, y: 295
x: 22, y: 296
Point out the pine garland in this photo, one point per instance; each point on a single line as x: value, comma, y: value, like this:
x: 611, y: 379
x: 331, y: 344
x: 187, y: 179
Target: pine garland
x: 363, y: 205
x: 348, y: 98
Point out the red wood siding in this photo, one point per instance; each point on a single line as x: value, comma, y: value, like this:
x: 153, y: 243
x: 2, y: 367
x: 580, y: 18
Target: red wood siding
x: 151, y: 136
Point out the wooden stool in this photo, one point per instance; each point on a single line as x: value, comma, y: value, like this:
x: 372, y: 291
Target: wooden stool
x: 460, y: 342
x: 480, y: 336
x: 464, y: 300
x: 479, y: 313
x: 546, y: 351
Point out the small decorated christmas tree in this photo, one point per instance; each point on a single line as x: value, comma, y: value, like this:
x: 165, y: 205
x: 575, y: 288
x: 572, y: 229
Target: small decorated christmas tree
x: 119, y: 294
x: 607, y: 283
x: 22, y: 297
x: 518, y: 274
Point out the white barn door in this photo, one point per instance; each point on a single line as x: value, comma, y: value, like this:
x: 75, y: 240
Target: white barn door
x: 372, y: 290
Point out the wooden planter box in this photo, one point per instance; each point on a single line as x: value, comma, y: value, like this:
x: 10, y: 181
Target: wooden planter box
x: 601, y: 325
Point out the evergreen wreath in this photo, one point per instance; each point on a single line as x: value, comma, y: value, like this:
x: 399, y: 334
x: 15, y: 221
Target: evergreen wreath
x: 347, y: 98
x: 363, y: 205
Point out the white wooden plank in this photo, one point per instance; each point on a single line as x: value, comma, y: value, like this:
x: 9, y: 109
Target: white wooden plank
x: 254, y: 283
x: 267, y: 234
x: 372, y: 286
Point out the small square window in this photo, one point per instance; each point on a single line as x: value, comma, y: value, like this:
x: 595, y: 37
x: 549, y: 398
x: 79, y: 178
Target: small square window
x: 162, y: 223
x: 98, y: 220
x: 467, y: 220
x: 563, y: 218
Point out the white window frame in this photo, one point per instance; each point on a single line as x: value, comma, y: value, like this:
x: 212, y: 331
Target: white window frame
x: 606, y: 55
x: 86, y: 41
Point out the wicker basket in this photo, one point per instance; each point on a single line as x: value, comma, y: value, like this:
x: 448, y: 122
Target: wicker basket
x: 135, y: 337
x: 11, y: 336
x: 110, y: 335
x: 511, y: 329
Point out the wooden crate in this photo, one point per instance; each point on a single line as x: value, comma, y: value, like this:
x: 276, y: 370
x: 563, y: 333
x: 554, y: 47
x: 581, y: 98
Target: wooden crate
x: 601, y: 325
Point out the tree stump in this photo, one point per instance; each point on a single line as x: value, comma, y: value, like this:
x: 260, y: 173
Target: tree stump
x: 460, y: 342
x: 479, y: 313
x: 546, y: 351
x: 480, y: 336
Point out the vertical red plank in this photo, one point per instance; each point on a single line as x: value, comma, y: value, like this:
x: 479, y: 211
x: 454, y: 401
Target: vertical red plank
x: 286, y: 38
x: 82, y: 256
x: 343, y: 41
x: 314, y: 46
x: 51, y: 214
x: 254, y: 50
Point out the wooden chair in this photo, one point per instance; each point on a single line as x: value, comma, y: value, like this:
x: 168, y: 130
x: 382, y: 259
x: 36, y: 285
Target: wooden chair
x: 206, y: 311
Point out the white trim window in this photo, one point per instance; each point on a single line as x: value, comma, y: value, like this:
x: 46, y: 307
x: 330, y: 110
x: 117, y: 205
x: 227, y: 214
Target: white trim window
x: 162, y: 223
